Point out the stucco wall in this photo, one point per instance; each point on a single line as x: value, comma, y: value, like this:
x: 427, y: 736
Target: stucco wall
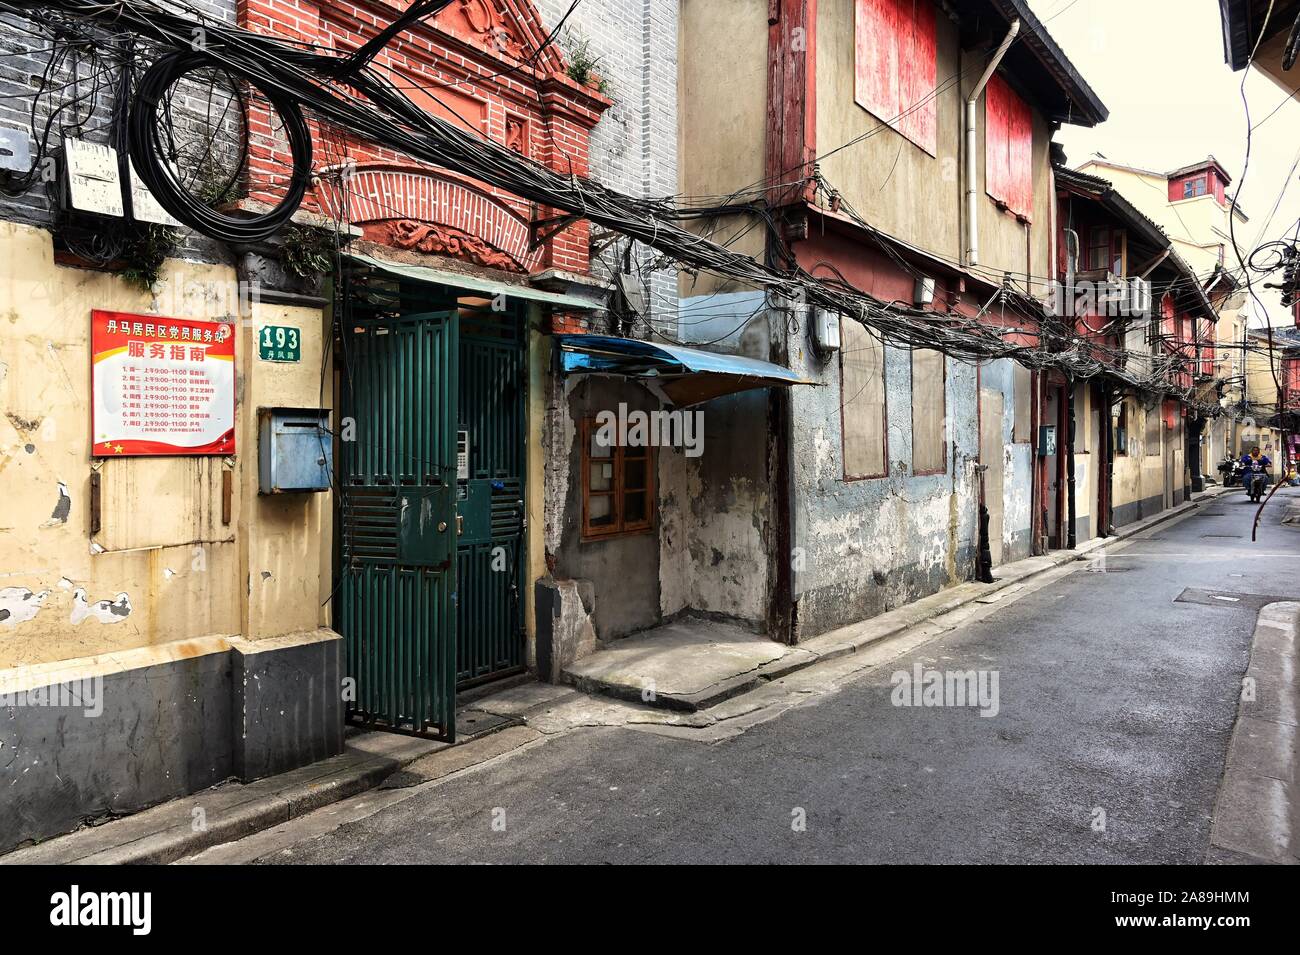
x: 624, y: 570
x: 163, y: 542
x: 864, y: 547
x: 716, y: 529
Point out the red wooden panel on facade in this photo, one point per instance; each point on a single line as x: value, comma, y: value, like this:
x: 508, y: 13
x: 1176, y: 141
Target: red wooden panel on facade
x: 1009, y: 148
x: 918, y: 74
x: 896, y: 66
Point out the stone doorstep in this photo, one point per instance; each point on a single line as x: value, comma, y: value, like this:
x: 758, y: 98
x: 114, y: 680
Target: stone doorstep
x: 607, y: 678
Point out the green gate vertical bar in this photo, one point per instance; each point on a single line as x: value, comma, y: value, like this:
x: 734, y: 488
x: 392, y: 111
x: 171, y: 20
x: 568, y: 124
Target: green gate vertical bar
x: 399, y: 386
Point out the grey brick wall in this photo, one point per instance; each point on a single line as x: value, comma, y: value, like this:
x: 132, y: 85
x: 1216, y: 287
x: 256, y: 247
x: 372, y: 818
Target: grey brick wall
x: 634, y: 148
x: 24, y: 58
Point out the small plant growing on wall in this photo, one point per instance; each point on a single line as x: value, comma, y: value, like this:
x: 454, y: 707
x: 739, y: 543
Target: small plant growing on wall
x: 144, y: 250
x: 307, y: 253
x: 583, y: 63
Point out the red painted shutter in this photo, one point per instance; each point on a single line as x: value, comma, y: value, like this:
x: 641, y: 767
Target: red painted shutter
x: 997, y: 136
x: 1022, y: 158
x: 1009, y: 148
x: 918, y: 67
x: 876, y: 83
x: 896, y: 66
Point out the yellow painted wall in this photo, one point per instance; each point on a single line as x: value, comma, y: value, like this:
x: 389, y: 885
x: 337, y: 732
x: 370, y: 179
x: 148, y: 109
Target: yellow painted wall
x: 162, y: 542
x: 1140, y: 476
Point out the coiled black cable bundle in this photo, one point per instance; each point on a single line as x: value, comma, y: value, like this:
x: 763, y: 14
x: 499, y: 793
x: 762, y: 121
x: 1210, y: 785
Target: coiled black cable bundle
x: 149, y: 154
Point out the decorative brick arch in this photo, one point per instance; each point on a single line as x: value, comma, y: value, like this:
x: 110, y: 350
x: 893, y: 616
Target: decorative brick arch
x: 414, y: 208
x: 474, y: 66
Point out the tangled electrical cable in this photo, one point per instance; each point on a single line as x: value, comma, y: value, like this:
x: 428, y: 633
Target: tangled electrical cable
x: 345, y: 92
x: 150, y: 157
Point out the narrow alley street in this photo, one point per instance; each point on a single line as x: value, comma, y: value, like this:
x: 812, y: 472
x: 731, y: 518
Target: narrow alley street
x: 1118, y: 691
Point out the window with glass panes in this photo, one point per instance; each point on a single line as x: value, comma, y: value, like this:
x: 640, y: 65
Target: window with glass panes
x: 617, y: 486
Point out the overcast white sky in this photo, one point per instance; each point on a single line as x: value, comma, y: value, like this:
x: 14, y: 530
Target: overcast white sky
x: 1158, y: 66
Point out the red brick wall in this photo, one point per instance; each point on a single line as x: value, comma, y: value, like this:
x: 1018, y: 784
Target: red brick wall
x: 454, y: 63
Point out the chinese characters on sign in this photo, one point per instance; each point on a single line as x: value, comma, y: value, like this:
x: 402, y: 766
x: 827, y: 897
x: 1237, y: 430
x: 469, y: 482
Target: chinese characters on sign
x: 279, y: 343
x: 161, y: 385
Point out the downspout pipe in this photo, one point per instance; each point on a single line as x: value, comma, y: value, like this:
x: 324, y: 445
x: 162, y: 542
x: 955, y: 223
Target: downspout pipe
x: 1071, y: 539
x: 972, y: 193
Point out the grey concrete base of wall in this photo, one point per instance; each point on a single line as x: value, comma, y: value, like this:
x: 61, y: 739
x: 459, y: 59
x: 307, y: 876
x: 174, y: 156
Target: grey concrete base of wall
x: 845, y: 602
x: 1138, y: 510
x: 288, y: 704
x: 97, y: 742
x: 566, y: 630
x: 1257, y: 814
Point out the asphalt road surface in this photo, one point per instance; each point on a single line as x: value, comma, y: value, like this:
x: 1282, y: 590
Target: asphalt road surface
x: 1114, y: 697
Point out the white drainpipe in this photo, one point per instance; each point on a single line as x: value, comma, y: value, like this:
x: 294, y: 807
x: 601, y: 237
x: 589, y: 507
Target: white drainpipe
x: 972, y: 192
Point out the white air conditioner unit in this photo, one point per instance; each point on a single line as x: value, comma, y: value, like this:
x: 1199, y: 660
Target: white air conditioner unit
x: 1138, y: 299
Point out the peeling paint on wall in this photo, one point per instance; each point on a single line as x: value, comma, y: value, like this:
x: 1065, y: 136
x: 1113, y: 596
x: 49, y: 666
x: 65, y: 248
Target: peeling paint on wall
x: 18, y: 605
x: 62, y: 507
x: 104, y: 611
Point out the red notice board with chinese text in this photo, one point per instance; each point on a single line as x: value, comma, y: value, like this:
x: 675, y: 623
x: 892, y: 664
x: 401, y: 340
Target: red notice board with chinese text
x: 163, y: 386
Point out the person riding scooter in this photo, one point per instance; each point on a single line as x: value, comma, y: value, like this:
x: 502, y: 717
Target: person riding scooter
x: 1256, y: 467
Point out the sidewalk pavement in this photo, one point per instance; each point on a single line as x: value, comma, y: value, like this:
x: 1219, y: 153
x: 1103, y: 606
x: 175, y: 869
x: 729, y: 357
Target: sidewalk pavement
x: 693, y: 664
x: 693, y: 669
x: 1257, y: 813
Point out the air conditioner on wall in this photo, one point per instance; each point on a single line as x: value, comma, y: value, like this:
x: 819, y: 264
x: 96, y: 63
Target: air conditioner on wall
x: 1138, y: 296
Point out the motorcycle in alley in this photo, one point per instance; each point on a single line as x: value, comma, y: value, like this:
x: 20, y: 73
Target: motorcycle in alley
x: 1230, y: 468
x: 1256, y: 483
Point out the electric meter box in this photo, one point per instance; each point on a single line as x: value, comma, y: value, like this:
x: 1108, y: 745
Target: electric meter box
x: 826, y: 330
x: 295, y: 450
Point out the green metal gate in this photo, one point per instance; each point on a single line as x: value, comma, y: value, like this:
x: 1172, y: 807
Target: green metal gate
x: 431, y: 503
x: 398, y: 520
x: 490, y: 562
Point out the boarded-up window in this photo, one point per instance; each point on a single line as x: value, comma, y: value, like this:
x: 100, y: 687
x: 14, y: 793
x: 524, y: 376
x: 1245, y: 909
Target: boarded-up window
x: 862, y: 402
x: 929, y: 423
x: 897, y: 66
x: 1154, y: 427
x: 1022, y: 429
x: 1009, y: 148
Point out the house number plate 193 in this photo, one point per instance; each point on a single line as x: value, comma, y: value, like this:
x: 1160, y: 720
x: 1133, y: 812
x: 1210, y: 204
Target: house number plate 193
x: 279, y: 343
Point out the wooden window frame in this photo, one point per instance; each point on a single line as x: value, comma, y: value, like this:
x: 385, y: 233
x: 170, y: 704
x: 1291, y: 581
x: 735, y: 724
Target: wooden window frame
x: 619, y: 456
x: 1116, y: 254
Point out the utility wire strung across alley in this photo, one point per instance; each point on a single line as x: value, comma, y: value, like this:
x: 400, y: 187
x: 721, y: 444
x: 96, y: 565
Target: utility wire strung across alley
x: 345, y: 91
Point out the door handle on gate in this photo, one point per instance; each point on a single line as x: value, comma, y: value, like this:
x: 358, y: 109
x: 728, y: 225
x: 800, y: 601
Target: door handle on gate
x: 460, y: 525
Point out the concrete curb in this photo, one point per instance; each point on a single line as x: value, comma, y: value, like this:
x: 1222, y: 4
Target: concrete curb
x: 1257, y: 812
x: 855, y: 637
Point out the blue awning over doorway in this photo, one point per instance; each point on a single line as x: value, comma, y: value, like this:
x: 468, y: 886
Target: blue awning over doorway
x: 680, y: 375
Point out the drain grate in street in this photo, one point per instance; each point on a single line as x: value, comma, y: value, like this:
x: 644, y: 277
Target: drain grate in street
x: 1214, y: 513
x: 1229, y: 537
x: 1229, y: 599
